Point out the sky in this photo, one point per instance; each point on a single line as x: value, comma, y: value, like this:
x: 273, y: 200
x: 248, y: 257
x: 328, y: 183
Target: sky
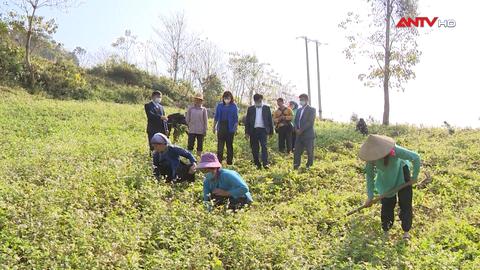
x: 445, y: 88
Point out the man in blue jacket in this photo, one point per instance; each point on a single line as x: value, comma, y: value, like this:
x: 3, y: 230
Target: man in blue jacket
x: 259, y: 125
x: 167, y: 163
x: 305, y: 134
x: 156, y: 118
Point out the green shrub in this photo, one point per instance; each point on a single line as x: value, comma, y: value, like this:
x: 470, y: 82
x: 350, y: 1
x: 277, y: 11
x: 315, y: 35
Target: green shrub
x: 62, y: 80
x: 122, y: 73
x: 11, y: 62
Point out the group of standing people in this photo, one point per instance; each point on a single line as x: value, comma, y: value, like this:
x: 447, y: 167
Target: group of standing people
x: 388, y: 165
x: 293, y: 125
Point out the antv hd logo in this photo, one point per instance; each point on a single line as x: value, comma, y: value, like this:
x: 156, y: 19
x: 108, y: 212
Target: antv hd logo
x: 425, y: 21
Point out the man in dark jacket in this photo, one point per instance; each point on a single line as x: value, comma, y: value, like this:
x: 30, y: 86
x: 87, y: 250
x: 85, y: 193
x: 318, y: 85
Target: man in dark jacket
x: 304, y: 123
x: 156, y: 118
x: 259, y: 124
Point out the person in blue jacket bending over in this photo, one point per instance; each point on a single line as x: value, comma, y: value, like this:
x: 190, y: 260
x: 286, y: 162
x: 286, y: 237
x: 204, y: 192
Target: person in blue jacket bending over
x: 222, y: 186
x: 167, y: 163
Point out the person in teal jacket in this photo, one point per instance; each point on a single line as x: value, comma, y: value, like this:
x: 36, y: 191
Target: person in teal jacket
x: 388, y: 166
x: 222, y: 186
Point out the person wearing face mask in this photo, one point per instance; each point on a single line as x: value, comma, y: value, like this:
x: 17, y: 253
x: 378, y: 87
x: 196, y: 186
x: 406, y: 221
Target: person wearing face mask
x: 259, y: 125
x: 283, y: 118
x: 156, y: 118
x: 222, y: 186
x: 167, y: 163
x: 305, y: 134
x: 197, y: 121
x: 226, y: 123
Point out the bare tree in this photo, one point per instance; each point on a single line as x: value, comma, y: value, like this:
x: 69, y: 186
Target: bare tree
x: 145, y: 52
x: 247, y: 76
x: 393, y: 50
x: 32, y: 23
x: 81, y: 55
x: 102, y: 56
x: 204, y: 60
x: 125, y: 44
x: 238, y: 66
x: 173, y: 42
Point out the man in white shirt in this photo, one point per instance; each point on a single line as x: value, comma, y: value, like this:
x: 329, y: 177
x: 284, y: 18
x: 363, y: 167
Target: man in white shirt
x: 259, y: 124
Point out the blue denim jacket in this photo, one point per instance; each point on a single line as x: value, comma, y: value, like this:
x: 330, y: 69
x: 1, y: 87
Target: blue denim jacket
x: 230, y: 113
x: 172, y: 157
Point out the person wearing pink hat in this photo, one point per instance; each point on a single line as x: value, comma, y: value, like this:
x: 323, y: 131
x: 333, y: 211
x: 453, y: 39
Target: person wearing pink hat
x: 223, y: 186
x: 388, y: 166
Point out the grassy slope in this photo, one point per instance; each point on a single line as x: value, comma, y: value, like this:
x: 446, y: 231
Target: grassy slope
x: 76, y: 192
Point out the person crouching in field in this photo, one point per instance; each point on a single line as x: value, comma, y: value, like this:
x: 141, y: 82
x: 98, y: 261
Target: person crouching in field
x: 167, y: 163
x: 388, y: 166
x: 222, y: 186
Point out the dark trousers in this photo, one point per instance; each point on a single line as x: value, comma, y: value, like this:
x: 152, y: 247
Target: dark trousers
x: 164, y: 170
x: 258, y: 139
x: 302, y: 144
x: 404, y: 200
x: 150, y: 135
x: 232, y: 203
x: 294, y: 137
x: 225, y: 138
x: 285, y: 138
x: 191, y: 141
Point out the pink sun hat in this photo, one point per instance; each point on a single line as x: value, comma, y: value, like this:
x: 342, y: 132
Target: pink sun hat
x: 209, y: 160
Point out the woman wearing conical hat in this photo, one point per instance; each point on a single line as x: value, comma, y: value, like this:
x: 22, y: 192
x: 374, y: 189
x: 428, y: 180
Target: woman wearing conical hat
x: 197, y: 121
x: 388, y: 166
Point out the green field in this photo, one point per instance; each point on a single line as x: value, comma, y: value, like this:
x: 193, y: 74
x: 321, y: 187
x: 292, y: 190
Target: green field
x: 76, y: 192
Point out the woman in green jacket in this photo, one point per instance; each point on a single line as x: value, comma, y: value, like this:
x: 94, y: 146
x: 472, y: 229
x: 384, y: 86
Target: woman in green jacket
x: 388, y: 166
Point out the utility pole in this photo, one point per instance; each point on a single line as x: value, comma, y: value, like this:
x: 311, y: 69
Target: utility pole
x: 308, y: 68
x: 317, y: 43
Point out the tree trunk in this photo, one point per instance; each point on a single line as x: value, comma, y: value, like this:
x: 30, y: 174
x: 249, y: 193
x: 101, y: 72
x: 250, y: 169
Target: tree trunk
x: 175, y: 68
x: 386, y: 71
x: 28, y: 63
x: 243, y: 92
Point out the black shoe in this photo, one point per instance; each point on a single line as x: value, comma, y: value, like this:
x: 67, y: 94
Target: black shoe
x: 266, y: 167
x: 259, y: 167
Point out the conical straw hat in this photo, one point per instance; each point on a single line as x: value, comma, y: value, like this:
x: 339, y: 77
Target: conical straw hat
x: 198, y: 96
x: 376, y: 147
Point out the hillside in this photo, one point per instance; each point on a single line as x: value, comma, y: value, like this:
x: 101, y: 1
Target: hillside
x: 76, y: 192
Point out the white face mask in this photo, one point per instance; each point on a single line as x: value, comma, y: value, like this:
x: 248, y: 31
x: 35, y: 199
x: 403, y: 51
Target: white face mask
x: 227, y: 100
x: 157, y: 100
x: 303, y: 103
